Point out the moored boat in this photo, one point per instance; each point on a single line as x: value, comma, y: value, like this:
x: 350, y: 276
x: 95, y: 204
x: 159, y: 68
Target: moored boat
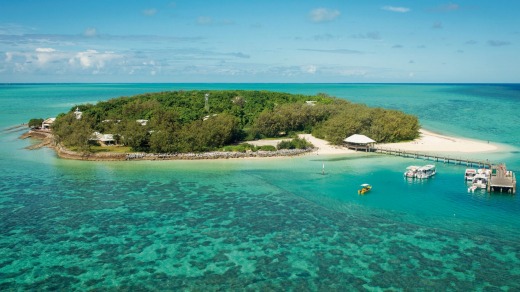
x: 426, y: 171
x: 469, y: 174
x: 411, y: 171
x: 480, y: 181
x: 484, y: 171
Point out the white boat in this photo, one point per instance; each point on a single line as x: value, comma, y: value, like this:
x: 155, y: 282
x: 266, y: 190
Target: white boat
x: 411, y: 171
x: 484, y: 171
x: 470, y: 174
x: 480, y: 181
x: 426, y: 171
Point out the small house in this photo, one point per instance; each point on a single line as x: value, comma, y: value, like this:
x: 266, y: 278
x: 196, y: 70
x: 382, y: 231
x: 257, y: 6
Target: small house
x: 103, y: 139
x: 47, y: 123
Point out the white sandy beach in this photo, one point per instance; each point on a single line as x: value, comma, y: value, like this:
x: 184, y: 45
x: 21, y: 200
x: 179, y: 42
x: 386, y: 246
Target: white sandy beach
x: 432, y: 142
x: 427, y: 142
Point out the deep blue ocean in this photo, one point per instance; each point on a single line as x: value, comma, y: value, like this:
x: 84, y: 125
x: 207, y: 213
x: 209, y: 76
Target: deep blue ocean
x: 264, y: 224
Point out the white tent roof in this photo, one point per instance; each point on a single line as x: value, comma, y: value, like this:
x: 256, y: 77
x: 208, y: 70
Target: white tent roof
x: 359, y: 139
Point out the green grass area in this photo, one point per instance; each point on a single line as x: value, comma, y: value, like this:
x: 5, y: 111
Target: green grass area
x: 111, y: 149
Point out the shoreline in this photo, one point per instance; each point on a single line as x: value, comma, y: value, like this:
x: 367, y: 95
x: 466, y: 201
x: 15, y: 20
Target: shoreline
x: 62, y: 152
x: 431, y: 142
x: 428, y: 142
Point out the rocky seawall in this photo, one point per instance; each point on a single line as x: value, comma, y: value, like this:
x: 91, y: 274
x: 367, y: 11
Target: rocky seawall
x: 48, y: 141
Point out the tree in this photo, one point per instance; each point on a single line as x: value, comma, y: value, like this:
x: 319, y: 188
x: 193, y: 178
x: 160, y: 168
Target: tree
x: 35, y: 123
x: 178, y: 121
x: 135, y: 135
x: 73, y: 132
x: 164, y: 123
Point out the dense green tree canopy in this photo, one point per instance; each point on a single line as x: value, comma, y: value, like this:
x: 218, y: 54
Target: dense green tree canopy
x: 182, y: 121
x: 35, y: 123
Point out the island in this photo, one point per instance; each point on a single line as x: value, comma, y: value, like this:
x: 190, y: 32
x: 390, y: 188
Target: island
x: 215, y: 124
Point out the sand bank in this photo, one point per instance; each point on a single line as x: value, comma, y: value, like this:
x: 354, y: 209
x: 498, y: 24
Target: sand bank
x: 432, y: 142
x: 427, y: 142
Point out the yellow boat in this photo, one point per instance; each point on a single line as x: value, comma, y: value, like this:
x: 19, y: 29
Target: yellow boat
x: 364, y: 188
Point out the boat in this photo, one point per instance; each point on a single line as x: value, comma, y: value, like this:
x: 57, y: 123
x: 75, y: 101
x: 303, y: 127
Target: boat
x: 426, y: 171
x: 470, y: 174
x: 411, y: 171
x: 364, y: 188
x: 472, y: 189
x: 484, y: 171
x: 480, y: 181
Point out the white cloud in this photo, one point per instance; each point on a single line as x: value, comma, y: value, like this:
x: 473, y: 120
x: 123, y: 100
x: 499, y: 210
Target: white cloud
x: 8, y: 56
x: 311, y: 69
x: 324, y: 14
x: 93, y: 59
x: 45, y: 50
x: 396, y: 9
x: 45, y: 55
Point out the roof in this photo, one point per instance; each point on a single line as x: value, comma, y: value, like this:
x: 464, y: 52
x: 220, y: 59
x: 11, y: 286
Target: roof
x: 49, y: 121
x: 102, y: 137
x: 142, y: 122
x: 359, y: 139
x: 107, y: 138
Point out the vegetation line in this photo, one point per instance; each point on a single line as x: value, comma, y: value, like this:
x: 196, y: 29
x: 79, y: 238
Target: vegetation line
x: 202, y: 121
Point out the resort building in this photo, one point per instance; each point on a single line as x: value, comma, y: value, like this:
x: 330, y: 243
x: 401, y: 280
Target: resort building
x: 103, y: 139
x: 359, y: 142
x: 47, y: 123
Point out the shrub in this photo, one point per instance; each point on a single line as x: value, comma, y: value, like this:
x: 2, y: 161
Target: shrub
x: 266, y: 148
x: 35, y: 123
x: 296, y: 143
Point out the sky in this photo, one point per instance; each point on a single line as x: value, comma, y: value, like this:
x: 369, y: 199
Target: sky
x: 260, y: 41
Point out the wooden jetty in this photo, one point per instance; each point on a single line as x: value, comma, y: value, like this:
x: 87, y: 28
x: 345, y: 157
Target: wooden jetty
x: 433, y: 157
x: 501, y: 179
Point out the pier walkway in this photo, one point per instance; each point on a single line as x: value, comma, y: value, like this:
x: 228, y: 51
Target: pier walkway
x: 433, y: 157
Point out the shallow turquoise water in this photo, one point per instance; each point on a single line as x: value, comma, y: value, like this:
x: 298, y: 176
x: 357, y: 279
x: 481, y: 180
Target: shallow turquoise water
x: 258, y: 224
